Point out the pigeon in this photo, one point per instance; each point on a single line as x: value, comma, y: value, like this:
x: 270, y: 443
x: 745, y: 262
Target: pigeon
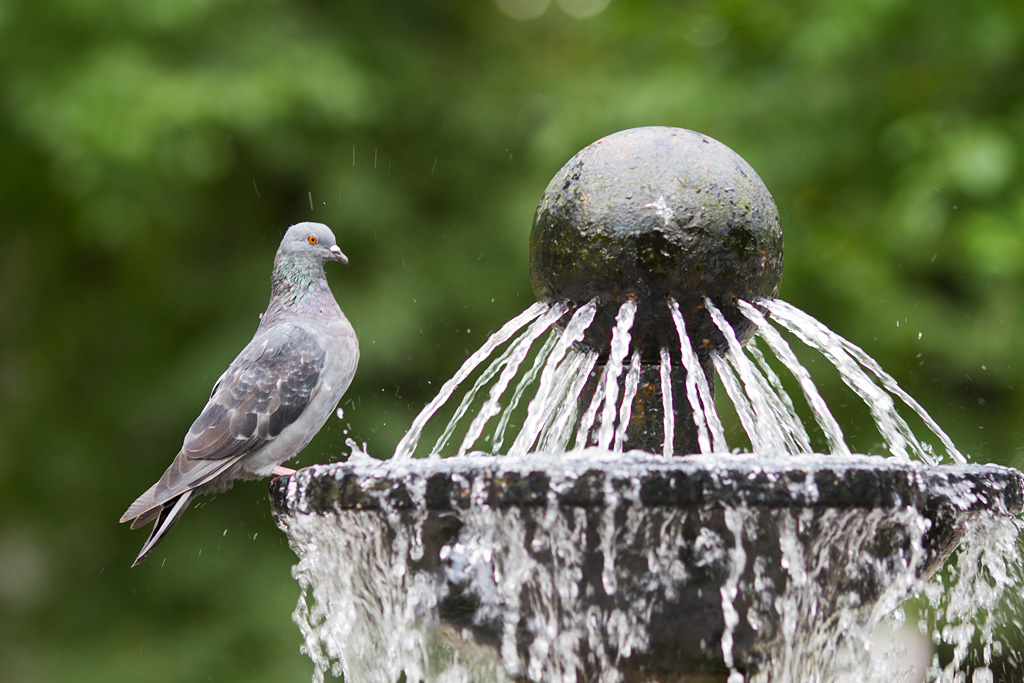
x: 274, y: 397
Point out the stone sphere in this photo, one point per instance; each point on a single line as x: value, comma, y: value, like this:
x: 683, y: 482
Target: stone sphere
x: 654, y: 214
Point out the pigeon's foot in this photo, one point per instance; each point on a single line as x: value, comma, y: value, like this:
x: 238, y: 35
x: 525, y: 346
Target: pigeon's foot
x: 280, y: 471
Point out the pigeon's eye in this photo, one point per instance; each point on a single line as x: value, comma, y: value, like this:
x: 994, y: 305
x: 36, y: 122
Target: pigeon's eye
x: 312, y: 239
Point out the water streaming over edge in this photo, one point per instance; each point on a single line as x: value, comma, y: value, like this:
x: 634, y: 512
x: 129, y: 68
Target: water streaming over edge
x: 374, y: 598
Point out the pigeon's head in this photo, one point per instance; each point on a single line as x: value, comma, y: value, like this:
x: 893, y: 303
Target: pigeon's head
x: 312, y: 241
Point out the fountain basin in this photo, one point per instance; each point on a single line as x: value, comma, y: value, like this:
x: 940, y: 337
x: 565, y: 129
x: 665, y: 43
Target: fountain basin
x: 616, y: 567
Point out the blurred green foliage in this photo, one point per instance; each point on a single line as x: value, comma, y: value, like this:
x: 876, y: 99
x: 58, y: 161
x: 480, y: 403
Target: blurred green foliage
x: 152, y: 153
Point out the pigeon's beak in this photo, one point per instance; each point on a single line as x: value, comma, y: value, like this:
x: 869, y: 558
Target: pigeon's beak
x: 337, y: 255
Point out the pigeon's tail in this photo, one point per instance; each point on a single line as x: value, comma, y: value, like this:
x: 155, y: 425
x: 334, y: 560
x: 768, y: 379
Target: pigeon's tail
x: 165, y: 516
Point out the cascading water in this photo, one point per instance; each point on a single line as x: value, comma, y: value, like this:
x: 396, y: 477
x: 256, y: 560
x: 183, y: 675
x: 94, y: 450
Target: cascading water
x: 585, y: 513
x: 767, y: 415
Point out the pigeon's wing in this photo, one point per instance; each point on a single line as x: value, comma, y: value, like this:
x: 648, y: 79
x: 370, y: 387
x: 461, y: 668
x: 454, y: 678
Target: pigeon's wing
x: 263, y: 391
x: 266, y: 389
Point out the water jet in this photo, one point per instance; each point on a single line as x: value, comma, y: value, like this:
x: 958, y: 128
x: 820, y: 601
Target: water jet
x: 608, y: 530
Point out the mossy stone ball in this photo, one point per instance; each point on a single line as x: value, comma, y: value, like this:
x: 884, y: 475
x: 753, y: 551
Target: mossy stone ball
x: 654, y: 214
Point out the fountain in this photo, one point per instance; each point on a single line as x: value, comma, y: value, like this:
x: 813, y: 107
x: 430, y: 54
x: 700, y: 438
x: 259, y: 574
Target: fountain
x: 598, y: 520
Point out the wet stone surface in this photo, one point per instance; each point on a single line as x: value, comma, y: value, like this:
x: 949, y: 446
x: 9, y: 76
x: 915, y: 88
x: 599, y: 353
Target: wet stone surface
x: 647, y: 480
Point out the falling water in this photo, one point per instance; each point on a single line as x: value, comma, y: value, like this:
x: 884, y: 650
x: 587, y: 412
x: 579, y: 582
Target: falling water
x: 625, y: 413
x: 833, y: 432
x: 614, y: 493
x: 560, y: 411
x: 546, y: 401
x: 508, y: 363
x: 849, y: 359
x: 669, y: 426
x: 767, y: 423
x: 610, y: 380
x: 711, y: 435
x: 371, y: 617
x: 408, y: 443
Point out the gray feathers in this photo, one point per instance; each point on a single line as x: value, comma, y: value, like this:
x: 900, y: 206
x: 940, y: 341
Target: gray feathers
x: 265, y: 390
x: 274, y: 397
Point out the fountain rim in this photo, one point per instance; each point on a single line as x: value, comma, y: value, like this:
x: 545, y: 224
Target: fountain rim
x: 594, y: 478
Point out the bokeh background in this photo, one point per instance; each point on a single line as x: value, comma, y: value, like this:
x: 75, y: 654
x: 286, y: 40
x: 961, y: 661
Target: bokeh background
x: 152, y: 153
